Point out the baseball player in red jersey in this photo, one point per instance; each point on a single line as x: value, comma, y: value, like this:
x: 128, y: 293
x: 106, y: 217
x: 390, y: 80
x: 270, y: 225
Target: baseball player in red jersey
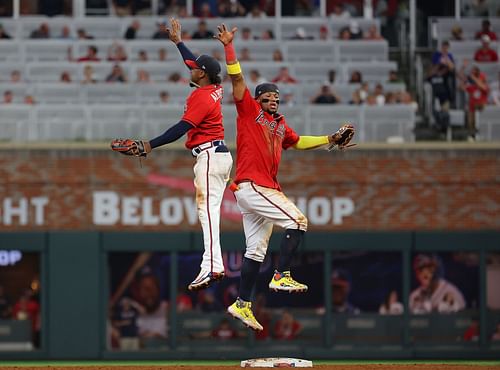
x: 202, y: 121
x: 262, y: 134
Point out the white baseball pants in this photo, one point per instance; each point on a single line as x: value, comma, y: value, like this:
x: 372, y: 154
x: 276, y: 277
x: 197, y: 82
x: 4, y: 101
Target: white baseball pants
x: 261, y: 209
x: 211, y: 173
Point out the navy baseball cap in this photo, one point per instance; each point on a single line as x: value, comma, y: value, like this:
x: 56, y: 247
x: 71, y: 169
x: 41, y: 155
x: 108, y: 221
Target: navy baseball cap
x: 264, y: 88
x: 206, y: 63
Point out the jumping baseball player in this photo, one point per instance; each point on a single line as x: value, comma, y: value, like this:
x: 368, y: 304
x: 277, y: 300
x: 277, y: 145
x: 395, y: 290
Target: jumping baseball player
x: 262, y: 133
x: 202, y: 121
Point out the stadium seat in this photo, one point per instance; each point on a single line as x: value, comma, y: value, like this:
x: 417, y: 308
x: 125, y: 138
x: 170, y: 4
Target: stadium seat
x: 62, y: 122
x: 360, y: 50
x: 16, y: 122
x: 327, y: 119
x: 149, y: 93
x: 488, y: 123
x: 318, y: 51
x: 10, y: 51
x: 59, y: 93
x: 158, y: 118
x: 384, y: 122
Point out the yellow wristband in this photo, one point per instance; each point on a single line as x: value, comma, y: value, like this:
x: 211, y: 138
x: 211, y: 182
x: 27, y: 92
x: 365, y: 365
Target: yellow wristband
x: 233, y: 69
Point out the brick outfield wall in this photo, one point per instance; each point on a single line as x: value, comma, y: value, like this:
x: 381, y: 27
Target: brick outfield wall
x: 397, y: 189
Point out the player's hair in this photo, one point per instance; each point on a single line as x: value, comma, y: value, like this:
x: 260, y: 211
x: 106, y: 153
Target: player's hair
x: 215, y: 79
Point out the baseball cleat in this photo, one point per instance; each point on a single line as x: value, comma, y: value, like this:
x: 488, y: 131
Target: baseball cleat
x: 283, y: 282
x: 205, y: 279
x: 242, y: 310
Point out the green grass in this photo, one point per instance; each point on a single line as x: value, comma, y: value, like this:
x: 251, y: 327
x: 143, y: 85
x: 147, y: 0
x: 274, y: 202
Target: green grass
x: 234, y: 363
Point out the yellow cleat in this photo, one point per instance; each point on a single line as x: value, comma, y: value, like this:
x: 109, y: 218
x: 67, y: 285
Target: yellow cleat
x: 242, y: 310
x: 283, y: 282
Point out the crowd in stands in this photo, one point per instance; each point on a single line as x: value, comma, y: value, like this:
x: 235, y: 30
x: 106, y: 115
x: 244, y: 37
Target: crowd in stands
x: 449, y: 76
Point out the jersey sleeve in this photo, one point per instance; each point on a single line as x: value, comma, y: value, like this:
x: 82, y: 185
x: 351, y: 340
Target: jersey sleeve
x: 197, y: 107
x: 247, y: 105
x: 290, y: 138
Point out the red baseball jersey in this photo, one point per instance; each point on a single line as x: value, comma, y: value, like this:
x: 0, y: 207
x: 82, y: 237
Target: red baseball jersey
x: 203, y: 111
x: 259, y: 142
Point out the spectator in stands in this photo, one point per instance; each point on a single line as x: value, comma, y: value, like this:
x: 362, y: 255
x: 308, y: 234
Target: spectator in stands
x: 143, y: 76
x: 391, y: 305
x: 176, y: 77
x: 441, y: 95
x: 8, y: 97
x: 42, y: 32
x: 15, y: 76
x: 277, y: 55
x: 230, y: 9
x: 161, y: 31
x: 245, y: 55
x: 125, y: 320
x: 29, y: 99
x: 325, y: 96
x: 81, y: 34
x: 363, y: 92
x: 117, y: 53
x: 204, y: 11
x: 476, y: 86
x: 432, y: 287
x: 202, y: 32
x: 394, y: 77
x: 27, y: 308
x: 345, y: 33
x: 286, y: 328
x: 485, y: 53
x: 65, y: 33
x: 373, y: 33
x: 142, y: 56
x: 91, y: 55
x: 496, y: 335
x: 379, y: 95
x: 390, y: 98
x: 356, y: 77
x: 404, y: 97
x: 356, y: 32
x: 164, y: 97
x: 256, y: 78
x: 65, y: 77
x: 486, y: 30
x: 341, y: 287
x: 457, y: 34
x: 301, y: 34
x: 121, y: 8
x: 324, y: 33
x: 256, y: 12
x: 131, y: 32
x: 246, y: 34
x: 88, y: 75
x: 267, y: 35
x: 3, y: 33
x: 162, y: 54
x: 339, y: 11
x: 117, y: 74
x: 224, y: 331
x: 284, y: 77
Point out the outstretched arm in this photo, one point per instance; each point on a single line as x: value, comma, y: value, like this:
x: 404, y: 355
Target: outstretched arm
x: 338, y: 140
x: 233, y: 66
x: 174, y: 33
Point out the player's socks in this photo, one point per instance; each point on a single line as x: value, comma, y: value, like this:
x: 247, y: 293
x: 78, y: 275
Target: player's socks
x: 288, y: 247
x: 249, y: 273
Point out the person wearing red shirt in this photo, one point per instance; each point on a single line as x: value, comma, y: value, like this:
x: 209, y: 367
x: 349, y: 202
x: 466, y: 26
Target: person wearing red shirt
x: 485, y: 54
x: 262, y: 134
x: 202, y: 121
x: 476, y: 86
x: 486, y: 30
x: 284, y: 77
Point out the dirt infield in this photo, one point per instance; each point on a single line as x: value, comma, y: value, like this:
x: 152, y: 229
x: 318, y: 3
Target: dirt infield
x: 434, y: 366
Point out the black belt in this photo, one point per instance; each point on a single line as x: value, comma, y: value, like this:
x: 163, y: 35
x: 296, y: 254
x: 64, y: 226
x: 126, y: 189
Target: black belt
x: 210, y: 144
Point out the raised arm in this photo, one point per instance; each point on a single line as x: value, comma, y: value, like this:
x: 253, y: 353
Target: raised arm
x: 233, y: 66
x: 174, y: 33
